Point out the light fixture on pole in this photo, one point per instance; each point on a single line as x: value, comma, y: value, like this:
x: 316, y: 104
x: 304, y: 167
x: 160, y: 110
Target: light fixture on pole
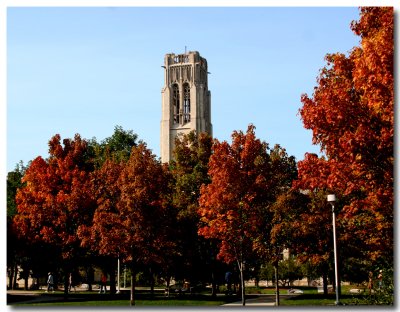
x: 332, y: 200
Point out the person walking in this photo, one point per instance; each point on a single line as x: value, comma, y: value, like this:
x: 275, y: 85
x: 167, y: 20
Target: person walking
x: 228, y: 280
x: 103, y: 283
x: 71, y: 283
x: 370, y: 281
x: 50, y: 282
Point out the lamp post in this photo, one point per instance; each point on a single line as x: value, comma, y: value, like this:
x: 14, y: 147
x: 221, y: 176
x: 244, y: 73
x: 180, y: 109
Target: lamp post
x: 332, y: 200
x: 118, y: 274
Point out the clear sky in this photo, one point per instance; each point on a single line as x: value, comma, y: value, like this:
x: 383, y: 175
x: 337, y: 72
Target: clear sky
x: 86, y: 70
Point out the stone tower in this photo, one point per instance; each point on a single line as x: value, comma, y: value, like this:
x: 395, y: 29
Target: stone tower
x: 186, y: 100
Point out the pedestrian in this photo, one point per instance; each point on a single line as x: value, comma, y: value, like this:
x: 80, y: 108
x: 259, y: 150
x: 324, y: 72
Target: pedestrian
x: 50, y: 282
x: 228, y: 280
x: 71, y: 283
x: 103, y: 283
x: 370, y: 281
x: 380, y: 276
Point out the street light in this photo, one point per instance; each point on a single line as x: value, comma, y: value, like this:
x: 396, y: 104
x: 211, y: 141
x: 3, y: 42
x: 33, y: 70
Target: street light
x: 118, y: 273
x: 332, y: 200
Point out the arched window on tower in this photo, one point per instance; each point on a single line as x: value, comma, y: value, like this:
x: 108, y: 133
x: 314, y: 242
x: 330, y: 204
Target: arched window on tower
x: 175, y: 103
x: 186, y: 103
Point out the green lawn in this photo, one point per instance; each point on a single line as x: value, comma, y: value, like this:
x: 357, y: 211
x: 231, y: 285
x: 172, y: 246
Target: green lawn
x: 141, y: 299
x: 310, y: 297
x: 321, y: 300
x: 172, y: 302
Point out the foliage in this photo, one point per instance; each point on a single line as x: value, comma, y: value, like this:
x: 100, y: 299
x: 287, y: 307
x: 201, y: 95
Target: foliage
x: 236, y: 208
x: 351, y: 116
x: 132, y: 218
x: 56, y: 198
x: 14, y: 251
x: 231, y: 204
x: 384, y: 294
x: 14, y: 182
x: 53, y: 202
x: 195, y: 255
x: 116, y: 147
x: 192, y: 153
x: 132, y: 208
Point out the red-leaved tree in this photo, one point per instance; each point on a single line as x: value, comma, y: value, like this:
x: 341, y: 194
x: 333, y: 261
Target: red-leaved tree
x: 246, y: 177
x: 351, y: 116
x: 132, y: 219
x: 56, y: 199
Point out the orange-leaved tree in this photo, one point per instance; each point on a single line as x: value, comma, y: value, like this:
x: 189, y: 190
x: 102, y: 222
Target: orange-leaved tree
x: 351, y: 116
x: 133, y: 217
x: 56, y: 199
x: 234, y: 206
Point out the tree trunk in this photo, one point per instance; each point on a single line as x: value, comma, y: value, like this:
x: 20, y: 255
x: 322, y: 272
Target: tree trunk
x: 241, y: 268
x: 89, y: 277
x: 214, y: 285
x: 66, y: 284
x: 14, y: 282
x: 168, y: 283
x: 113, y: 288
x: 11, y: 277
x: 152, y: 282
x: 133, y: 284
x: 325, y: 281
x: 276, y: 284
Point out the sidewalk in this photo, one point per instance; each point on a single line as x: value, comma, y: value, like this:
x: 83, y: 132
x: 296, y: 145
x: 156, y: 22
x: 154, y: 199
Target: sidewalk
x: 260, y: 301
x: 30, y: 296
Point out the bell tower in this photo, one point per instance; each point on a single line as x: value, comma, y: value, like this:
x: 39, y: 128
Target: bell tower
x: 186, y: 100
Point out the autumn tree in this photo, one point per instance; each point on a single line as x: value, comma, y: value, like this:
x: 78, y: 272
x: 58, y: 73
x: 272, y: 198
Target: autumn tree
x: 244, y: 178
x: 132, y: 218
x: 56, y: 199
x: 312, y: 235
x: 276, y: 234
x: 351, y: 116
x: 109, y: 157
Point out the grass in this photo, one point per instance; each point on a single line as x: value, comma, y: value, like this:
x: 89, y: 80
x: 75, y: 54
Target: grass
x: 141, y: 299
x: 321, y: 300
x: 172, y: 302
x: 313, y: 298
x: 310, y: 297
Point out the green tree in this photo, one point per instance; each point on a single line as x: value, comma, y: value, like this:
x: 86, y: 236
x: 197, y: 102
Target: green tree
x: 117, y: 147
x: 14, y: 182
x: 197, y: 260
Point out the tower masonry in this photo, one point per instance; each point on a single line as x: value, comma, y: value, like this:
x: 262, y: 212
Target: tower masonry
x: 186, y: 100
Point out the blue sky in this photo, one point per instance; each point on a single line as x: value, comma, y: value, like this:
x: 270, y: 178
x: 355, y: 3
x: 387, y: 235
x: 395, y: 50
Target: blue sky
x: 86, y: 70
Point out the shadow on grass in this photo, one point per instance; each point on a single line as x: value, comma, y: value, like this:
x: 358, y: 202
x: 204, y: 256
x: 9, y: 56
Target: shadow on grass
x: 96, y: 299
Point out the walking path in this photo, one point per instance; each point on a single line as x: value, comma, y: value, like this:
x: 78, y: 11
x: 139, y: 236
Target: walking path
x: 262, y: 301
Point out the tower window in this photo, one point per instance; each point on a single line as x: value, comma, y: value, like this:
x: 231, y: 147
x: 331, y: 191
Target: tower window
x: 186, y: 103
x: 175, y: 103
